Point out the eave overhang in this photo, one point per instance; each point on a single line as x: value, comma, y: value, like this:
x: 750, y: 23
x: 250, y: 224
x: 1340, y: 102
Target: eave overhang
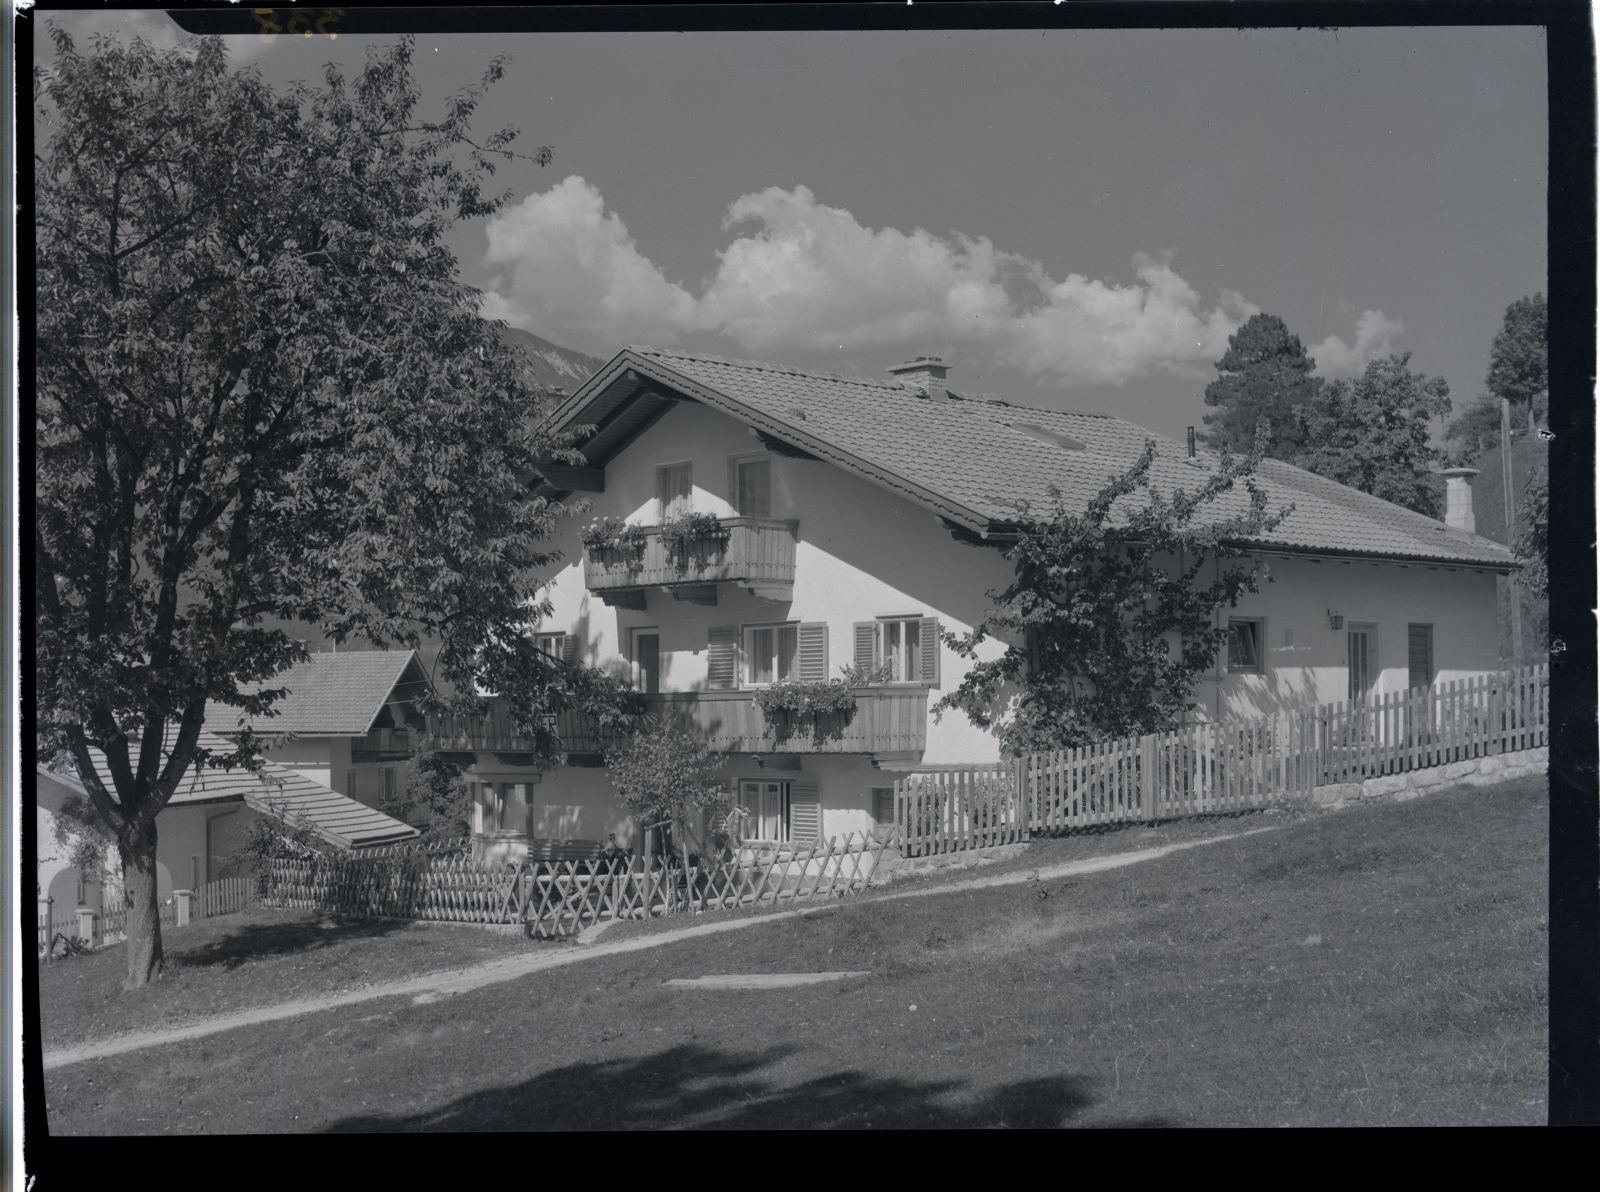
x: 639, y: 375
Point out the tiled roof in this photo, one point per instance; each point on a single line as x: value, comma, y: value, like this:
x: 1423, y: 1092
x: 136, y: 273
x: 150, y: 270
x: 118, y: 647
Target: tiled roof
x: 330, y: 695
x: 974, y: 458
x: 280, y: 791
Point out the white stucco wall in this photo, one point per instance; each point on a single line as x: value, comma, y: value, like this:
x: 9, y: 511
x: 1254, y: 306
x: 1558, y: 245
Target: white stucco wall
x: 1307, y: 660
x: 193, y: 844
x: 864, y: 552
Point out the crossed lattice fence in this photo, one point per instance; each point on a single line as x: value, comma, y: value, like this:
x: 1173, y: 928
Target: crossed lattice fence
x: 558, y: 898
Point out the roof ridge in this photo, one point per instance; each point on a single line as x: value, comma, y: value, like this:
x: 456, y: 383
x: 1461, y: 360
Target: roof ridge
x: 766, y: 366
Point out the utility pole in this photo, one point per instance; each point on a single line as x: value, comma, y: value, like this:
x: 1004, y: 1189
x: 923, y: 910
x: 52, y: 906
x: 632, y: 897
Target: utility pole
x: 1513, y: 592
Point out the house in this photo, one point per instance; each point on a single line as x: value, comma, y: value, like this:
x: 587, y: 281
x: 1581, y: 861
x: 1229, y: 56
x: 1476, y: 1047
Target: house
x: 337, y: 723
x: 857, y: 519
x: 202, y: 825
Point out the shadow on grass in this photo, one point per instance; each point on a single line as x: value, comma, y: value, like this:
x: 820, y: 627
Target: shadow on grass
x: 694, y: 1086
x: 256, y: 941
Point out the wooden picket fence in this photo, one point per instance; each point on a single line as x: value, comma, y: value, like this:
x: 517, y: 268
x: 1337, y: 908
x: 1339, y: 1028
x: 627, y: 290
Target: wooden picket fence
x: 225, y: 896
x: 558, y: 898
x: 1209, y: 769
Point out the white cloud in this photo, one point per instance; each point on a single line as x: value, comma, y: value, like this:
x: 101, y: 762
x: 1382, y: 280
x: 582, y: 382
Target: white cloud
x: 801, y: 274
x: 1375, y: 332
x: 574, y: 273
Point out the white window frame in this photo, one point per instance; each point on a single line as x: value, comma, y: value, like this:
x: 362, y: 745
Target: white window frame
x: 736, y: 462
x: 913, y: 658
x: 636, y: 671
x: 661, y: 500
x: 747, y: 653
x: 1260, y: 667
x: 785, y: 793
x: 552, y: 644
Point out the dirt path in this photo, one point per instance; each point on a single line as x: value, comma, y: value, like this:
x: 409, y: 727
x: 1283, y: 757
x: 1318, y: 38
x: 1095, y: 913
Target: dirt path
x: 432, y: 986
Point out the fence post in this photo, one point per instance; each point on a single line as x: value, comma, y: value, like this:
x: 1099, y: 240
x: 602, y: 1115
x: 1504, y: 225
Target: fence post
x: 184, y: 900
x: 1149, y: 788
x: 86, y: 918
x: 49, y: 926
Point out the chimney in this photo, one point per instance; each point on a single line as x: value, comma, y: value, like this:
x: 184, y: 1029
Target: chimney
x: 1458, y: 499
x: 1191, y: 442
x: 925, y: 372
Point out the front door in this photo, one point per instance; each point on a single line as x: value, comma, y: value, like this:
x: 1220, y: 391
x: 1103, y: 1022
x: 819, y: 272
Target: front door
x: 1363, y: 672
x: 768, y: 804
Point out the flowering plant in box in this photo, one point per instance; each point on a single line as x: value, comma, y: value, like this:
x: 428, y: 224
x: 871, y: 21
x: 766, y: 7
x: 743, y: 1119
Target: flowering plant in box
x: 686, y: 530
x: 612, y: 533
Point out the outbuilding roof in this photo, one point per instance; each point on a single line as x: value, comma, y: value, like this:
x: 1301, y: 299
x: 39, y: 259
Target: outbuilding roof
x: 329, y: 694
x: 971, y: 458
x: 278, y: 791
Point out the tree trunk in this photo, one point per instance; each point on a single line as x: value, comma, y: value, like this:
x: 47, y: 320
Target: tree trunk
x: 141, y: 896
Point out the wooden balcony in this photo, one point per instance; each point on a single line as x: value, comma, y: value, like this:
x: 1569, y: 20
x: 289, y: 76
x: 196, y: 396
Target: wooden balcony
x: 889, y: 720
x: 892, y: 719
x: 757, y: 553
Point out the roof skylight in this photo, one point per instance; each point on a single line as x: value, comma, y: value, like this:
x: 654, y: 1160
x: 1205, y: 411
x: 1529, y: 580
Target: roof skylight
x: 1034, y: 431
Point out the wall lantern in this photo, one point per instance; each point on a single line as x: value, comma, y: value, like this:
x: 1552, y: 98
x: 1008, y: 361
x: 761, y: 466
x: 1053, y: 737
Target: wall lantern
x: 1335, y: 620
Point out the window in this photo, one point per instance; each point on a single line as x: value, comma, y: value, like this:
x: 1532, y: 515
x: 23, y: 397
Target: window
x: 883, y: 805
x: 647, y: 660
x: 1419, y: 655
x: 900, y: 648
x: 772, y: 654
x: 1244, y: 646
x: 752, y: 487
x: 1361, y: 647
x: 768, y: 804
x: 550, y: 643
x: 674, y: 489
x: 491, y: 805
x: 390, y: 783
x: 350, y: 783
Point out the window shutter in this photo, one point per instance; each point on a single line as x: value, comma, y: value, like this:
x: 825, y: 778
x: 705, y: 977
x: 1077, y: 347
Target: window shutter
x: 1419, y: 655
x: 930, y: 651
x: 722, y: 656
x: 814, y: 652
x: 805, y: 813
x: 569, y: 647
x: 866, y: 644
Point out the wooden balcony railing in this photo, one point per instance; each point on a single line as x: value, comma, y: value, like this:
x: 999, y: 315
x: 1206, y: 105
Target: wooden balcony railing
x: 887, y: 719
x: 756, y: 550
x: 891, y: 719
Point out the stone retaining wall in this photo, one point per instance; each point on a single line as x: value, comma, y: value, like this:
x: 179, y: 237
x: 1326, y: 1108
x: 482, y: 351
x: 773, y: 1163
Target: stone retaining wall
x: 1480, y: 771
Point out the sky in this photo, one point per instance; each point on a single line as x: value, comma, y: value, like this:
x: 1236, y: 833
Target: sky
x: 1072, y: 219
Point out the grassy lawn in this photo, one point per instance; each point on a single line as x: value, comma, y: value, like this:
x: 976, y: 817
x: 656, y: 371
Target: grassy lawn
x: 254, y: 958
x: 1376, y: 965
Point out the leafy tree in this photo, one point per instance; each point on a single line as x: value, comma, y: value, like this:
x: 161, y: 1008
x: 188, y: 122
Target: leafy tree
x: 1373, y: 434
x: 1519, y: 359
x: 667, y: 776
x: 435, y: 783
x: 1265, y: 373
x: 1111, y: 614
x: 1475, y: 430
x: 263, y: 392
x: 1533, y: 533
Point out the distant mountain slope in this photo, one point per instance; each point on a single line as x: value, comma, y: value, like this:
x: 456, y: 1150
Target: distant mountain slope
x: 551, y: 366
